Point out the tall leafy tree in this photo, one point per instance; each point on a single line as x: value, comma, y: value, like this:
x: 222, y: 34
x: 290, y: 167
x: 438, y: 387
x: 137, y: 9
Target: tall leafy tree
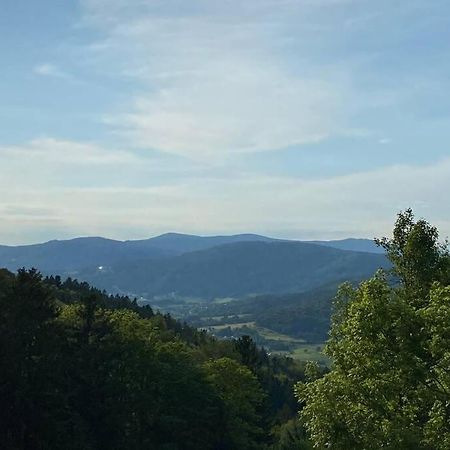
x: 418, y: 258
x: 390, y: 346
x: 242, y: 398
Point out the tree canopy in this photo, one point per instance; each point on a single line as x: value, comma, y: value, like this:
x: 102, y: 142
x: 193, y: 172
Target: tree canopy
x: 389, y: 386
x: 83, y: 370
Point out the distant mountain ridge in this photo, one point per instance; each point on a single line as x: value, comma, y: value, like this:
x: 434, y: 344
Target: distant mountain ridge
x: 178, y: 243
x: 72, y: 255
x: 353, y: 244
x: 237, y: 269
x: 78, y: 253
x: 197, y: 266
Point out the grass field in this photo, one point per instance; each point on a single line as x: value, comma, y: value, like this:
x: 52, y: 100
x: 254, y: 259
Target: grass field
x: 310, y: 352
x: 299, y: 349
x: 233, y: 326
x: 275, y: 336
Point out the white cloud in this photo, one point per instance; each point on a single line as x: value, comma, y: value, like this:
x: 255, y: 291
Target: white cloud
x: 40, y: 204
x: 58, y: 151
x: 250, y: 110
x: 50, y: 70
x: 213, y: 79
x: 46, y: 163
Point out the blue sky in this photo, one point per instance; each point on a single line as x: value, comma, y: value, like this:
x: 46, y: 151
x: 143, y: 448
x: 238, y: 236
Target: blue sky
x: 308, y: 119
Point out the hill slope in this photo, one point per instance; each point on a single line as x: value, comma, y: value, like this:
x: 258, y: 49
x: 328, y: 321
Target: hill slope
x: 177, y: 244
x: 236, y: 270
x: 69, y: 256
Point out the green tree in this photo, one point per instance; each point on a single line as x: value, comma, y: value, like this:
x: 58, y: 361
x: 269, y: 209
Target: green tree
x: 131, y: 387
x: 249, y: 352
x: 32, y: 406
x: 242, y: 397
x: 291, y: 435
x: 389, y: 383
x: 417, y: 256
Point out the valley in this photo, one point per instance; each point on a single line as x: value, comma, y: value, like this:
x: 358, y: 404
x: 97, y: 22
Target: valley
x: 279, y: 292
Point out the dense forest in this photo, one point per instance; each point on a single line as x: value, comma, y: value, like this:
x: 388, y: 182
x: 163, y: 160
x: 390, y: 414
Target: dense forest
x: 84, y: 370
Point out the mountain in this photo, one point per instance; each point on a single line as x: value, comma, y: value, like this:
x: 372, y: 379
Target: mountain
x: 200, y: 266
x: 355, y: 245
x: 64, y: 256
x: 238, y: 269
x: 177, y: 243
x: 70, y: 256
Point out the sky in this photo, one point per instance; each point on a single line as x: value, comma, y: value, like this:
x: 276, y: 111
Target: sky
x: 303, y: 119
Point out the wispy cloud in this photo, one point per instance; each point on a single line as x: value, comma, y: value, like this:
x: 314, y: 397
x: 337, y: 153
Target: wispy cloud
x: 66, y: 152
x: 108, y: 202
x: 215, y: 79
x: 218, y: 115
x: 46, y: 162
x: 50, y: 70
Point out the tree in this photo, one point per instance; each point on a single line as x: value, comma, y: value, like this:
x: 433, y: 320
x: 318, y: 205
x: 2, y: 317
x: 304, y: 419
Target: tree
x: 417, y: 256
x: 241, y: 396
x: 291, y: 435
x: 390, y: 345
x: 248, y: 351
x: 29, y: 347
x: 132, y: 389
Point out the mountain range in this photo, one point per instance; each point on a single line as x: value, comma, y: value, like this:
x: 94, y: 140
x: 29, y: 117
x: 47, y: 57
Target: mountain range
x: 198, y: 266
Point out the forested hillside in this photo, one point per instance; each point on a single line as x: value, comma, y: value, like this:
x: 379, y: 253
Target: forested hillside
x: 199, y: 266
x: 239, y: 269
x: 73, y: 255
x: 84, y: 370
x: 303, y: 316
x: 70, y: 256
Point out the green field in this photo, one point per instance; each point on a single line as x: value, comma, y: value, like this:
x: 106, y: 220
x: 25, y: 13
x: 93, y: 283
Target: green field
x: 294, y: 348
x: 275, y: 336
x: 233, y: 326
x: 309, y: 352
